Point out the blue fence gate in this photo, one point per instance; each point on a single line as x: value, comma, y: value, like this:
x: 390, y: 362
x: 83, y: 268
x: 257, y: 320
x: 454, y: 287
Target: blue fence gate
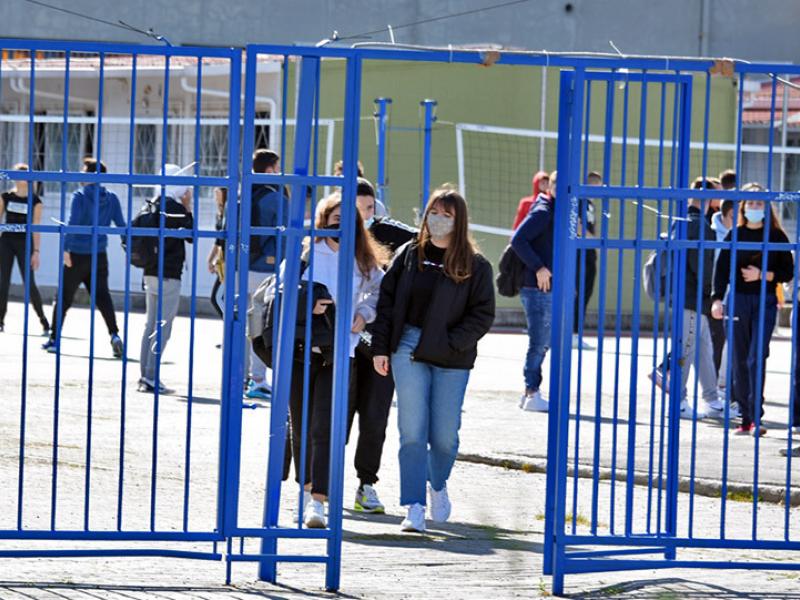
x: 629, y: 450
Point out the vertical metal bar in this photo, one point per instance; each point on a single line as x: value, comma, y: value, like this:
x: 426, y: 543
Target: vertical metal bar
x: 569, y: 124
x: 93, y: 294
x: 426, y: 151
x: 793, y: 375
x: 730, y: 311
x: 187, y: 460
x: 381, y: 187
x: 581, y: 272
x: 341, y: 372
x: 160, y: 308
x: 679, y: 280
x: 637, y: 269
x: 618, y: 318
x: 542, y: 119
x: 127, y: 301
x: 601, y: 300
x: 56, y: 401
x: 233, y: 321
x: 288, y: 309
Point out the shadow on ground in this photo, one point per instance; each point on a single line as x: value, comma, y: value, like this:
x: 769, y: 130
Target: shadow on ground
x: 676, y: 588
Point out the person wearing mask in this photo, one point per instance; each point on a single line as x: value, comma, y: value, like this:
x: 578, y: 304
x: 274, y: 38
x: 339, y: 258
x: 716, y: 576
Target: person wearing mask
x: 541, y: 185
x: 436, y: 302
x: 268, y: 205
x: 588, y: 270
x: 745, y: 290
x: 177, y: 210
x: 216, y: 256
x: 367, y: 275
x: 14, y: 210
x: 92, y: 199
x: 372, y: 396
x: 533, y: 243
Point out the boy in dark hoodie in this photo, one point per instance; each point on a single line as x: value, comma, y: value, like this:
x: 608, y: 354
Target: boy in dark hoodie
x: 78, y: 250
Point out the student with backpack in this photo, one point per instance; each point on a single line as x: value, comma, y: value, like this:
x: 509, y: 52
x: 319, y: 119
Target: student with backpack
x: 177, y: 214
x: 436, y: 302
x: 93, y: 204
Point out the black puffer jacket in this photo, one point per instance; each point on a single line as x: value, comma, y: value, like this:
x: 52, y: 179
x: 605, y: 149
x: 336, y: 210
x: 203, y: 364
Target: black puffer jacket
x: 460, y: 314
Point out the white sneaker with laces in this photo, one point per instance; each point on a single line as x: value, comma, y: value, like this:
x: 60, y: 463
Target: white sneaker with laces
x: 715, y: 409
x: 367, y: 500
x: 688, y: 413
x: 415, y: 519
x: 535, y: 403
x: 439, y: 503
x: 315, y: 515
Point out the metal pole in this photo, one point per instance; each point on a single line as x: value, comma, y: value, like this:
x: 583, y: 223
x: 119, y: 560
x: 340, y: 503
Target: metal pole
x: 784, y: 133
x: 543, y: 118
x: 426, y: 155
x: 381, y: 188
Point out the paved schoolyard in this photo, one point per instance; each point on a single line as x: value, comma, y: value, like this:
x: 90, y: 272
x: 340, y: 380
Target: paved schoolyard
x: 491, y: 549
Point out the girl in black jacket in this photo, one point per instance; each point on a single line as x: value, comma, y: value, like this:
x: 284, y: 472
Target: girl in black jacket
x: 436, y: 302
x: 746, y: 293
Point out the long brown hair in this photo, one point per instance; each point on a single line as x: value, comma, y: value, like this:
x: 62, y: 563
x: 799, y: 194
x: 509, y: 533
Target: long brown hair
x: 460, y: 254
x: 369, y: 253
x: 774, y: 221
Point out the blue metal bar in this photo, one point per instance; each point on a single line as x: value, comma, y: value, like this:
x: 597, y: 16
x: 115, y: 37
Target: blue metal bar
x: 569, y: 129
x: 127, y: 300
x: 637, y: 269
x: 283, y: 359
x: 381, y: 185
x: 601, y: 303
x: 582, y: 211
x: 618, y: 316
x: 282, y: 532
x: 187, y: 460
x: 93, y: 298
x: 677, y: 542
x: 143, y: 179
x: 276, y: 558
x: 429, y: 107
x: 793, y: 399
x: 607, y: 566
x: 233, y: 342
x: 126, y: 552
x: 614, y: 552
x: 341, y: 370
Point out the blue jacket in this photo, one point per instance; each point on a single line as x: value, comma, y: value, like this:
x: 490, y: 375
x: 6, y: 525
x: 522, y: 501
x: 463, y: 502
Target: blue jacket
x: 533, y: 239
x: 81, y: 212
x: 265, y: 206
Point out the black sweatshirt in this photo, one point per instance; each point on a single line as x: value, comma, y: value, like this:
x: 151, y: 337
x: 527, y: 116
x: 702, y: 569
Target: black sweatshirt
x: 780, y: 262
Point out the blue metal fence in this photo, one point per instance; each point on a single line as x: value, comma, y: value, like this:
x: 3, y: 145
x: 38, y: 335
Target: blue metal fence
x: 635, y: 486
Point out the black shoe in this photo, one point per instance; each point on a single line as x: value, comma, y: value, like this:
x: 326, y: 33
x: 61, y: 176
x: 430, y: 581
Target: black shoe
x: 2, y: 328
x: 116, y: 346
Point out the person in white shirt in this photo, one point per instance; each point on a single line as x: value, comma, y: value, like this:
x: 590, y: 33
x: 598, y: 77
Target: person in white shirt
x: 321, y: 263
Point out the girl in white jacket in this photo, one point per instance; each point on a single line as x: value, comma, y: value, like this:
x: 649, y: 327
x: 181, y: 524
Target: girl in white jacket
x: 367, y: 275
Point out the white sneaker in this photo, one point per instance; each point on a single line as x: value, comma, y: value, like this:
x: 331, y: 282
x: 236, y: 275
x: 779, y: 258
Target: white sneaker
x: 579, y: 344
x: 688, y: 413
x: 439, y: 503
x: 415, y: 520
x: 315, y: 515
x: 715, y: 409
x: 736, y: 412
x: 535, y: 403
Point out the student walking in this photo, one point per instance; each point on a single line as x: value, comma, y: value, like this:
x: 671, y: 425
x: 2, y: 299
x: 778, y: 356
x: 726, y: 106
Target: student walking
x: 746, y: 294
x: 14, y: 209
x: 367, y: 276
x: 93, y: 204
x: 167, y: 294
x: 436, y: 302
x: 533, y: 243
x: 216, y: 256
x: 372, y: 395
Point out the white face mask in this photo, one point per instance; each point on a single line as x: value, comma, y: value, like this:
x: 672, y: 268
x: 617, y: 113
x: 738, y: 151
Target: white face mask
x: 440, y: 226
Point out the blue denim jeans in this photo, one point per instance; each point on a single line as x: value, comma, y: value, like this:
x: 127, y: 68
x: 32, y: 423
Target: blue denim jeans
x: 429, y: 401
x: 538, y: 307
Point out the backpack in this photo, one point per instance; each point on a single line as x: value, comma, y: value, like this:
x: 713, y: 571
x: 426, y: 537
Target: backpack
x: 510, y: 273
x: 144, y: 249
x: 654, y: 279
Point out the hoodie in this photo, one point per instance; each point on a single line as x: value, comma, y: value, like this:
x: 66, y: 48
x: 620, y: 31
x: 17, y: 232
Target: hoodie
x: 525, y: 204
x: 719, y: 228
x: 81, y: 212
x: 533, y: 241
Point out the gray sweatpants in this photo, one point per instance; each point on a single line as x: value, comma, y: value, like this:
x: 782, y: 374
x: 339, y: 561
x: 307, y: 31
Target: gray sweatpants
x: 170, y: 298
x: 696, y: 331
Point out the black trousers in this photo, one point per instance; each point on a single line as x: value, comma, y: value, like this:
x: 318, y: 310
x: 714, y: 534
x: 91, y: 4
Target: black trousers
x: 13, y: 247
x: 372, y: 400
x: 717, y: 328
x: 81, y: 273
x: 589, y: 276
x: 213, y: 298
